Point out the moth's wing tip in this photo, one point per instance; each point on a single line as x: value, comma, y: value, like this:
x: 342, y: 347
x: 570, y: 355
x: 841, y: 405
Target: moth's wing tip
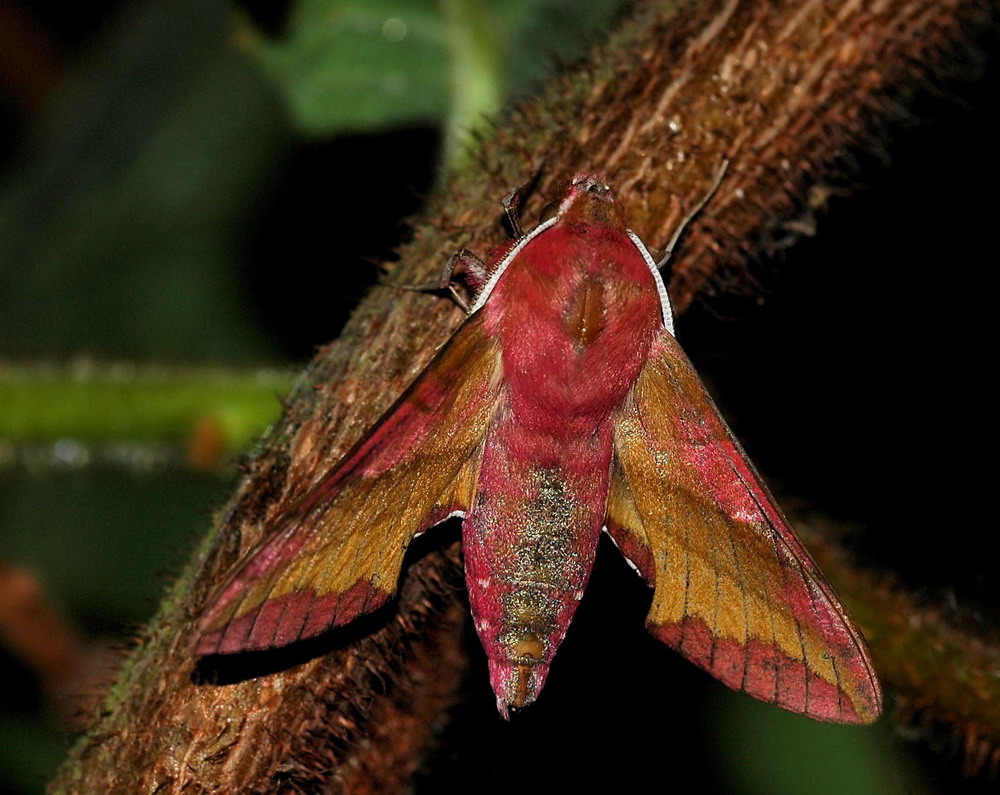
x: 764, y: 671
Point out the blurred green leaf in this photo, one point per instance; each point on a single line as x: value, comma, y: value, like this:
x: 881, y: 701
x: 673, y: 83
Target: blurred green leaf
x: 767, y: 751
x: 357, y: 65
x: 104, y: 547
x: 123, y: 221
x: 31, y: 751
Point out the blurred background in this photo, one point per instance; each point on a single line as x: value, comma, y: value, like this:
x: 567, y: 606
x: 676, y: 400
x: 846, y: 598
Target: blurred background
x: 193, y: 195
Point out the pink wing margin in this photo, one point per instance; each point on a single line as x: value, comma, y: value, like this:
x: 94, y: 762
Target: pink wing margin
x: 337, y: 554
x: 735, y: 591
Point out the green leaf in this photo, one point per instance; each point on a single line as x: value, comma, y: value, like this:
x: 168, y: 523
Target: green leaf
x: 351, y: 65
x: 358, y: 65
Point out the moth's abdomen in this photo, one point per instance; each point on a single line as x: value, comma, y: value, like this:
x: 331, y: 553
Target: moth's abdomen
x: 529, y: 545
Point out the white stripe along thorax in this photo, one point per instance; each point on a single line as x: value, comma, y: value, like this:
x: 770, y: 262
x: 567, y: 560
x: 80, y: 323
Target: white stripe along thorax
x: 661, y: 290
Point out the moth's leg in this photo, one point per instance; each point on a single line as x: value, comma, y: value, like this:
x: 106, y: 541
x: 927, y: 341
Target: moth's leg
x: 462, y: 262
x: 682, y: 227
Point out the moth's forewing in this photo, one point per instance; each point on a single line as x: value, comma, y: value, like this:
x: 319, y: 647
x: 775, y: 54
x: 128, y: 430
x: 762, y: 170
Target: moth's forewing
x: 338, y: 553
x: 735, y: 591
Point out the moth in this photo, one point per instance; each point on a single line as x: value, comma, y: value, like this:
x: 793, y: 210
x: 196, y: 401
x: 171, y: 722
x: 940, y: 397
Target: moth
x: 563, y: 407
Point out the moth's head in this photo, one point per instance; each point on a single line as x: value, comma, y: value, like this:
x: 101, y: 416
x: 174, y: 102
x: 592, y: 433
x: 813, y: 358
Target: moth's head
x: 587, y: 199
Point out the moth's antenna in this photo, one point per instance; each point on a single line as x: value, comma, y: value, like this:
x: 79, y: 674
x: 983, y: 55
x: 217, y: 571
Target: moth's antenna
x: 682, y: 227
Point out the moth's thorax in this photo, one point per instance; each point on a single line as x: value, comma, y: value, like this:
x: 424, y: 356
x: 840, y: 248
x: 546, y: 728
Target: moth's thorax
x: 574, y: 314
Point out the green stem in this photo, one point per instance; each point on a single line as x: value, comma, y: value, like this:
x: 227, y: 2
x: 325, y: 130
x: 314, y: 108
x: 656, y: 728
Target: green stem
x: 476, y: 92
x: 103, y: 403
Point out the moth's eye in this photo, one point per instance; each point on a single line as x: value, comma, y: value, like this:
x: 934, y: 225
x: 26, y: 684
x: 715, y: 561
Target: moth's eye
x: 550, y: 211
